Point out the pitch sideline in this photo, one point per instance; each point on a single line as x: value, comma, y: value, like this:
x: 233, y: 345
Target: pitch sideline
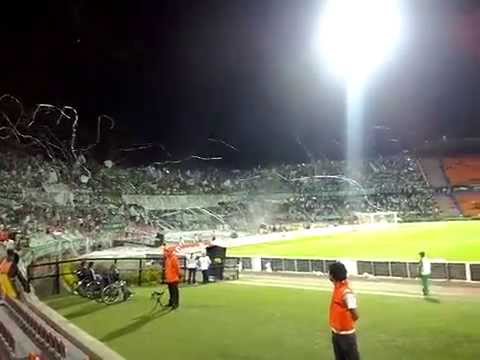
x: 328, y: 289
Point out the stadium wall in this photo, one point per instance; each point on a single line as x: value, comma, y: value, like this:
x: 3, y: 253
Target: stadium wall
x: 441, y: 270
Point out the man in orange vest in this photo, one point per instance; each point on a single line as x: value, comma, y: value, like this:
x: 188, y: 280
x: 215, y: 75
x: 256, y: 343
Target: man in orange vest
x: 343, y: 315
x: 172, y: 276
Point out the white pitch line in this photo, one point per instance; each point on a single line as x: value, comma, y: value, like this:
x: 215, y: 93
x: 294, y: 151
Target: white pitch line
x: 357, y: 286
x: 324, y: 289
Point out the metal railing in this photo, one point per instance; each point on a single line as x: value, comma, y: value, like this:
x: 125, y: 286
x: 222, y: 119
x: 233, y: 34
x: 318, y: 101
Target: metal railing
x: 461, y: 271
x: 135, y: 270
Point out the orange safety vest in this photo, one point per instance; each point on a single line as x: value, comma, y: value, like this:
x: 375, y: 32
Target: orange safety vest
x: 5, y: 266
x: 172, y: 268
x: 341, y: 321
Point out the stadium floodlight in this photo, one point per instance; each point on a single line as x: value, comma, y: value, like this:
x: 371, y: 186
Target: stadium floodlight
x: 357, y: 36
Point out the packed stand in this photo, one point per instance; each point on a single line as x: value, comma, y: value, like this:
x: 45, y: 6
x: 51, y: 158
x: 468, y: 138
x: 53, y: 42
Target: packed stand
x: 45, y: 196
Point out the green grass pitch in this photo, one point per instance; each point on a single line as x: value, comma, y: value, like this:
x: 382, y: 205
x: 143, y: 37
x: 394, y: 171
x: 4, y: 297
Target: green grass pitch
x: 238, y: 322
x: 454, y: 241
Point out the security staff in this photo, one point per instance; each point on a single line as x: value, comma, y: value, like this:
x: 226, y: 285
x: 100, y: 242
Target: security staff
x: 172, y: 276
x: 343, y: 315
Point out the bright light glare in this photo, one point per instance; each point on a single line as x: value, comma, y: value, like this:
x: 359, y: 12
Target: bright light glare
x: 357, y: 36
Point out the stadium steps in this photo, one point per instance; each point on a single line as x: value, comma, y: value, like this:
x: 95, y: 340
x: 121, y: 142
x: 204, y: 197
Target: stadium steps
x: 432, y: 167
x: 447, y: 206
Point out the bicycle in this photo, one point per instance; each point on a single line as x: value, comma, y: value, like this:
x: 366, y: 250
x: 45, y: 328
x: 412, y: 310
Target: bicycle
x: 160, y: 297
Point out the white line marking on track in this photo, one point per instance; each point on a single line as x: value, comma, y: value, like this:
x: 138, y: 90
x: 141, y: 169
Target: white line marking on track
x: 324, y: 289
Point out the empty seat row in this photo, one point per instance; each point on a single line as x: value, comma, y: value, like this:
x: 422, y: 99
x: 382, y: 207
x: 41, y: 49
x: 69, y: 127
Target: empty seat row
x: 469, y: 203
x: 463, y: 170
x: 37, y: 331
x: 7, y: 339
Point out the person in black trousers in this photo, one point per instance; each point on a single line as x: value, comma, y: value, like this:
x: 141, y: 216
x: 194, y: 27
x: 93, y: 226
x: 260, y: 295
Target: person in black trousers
x: 172, y: 276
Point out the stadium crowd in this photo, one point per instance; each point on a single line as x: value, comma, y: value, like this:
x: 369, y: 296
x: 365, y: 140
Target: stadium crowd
x: 47, y: 196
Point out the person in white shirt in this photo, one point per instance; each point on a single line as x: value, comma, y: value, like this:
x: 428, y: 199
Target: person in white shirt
x: 9, y: 244
x: 204, y: 265
x: 425, y: 270
x: 192, y: 269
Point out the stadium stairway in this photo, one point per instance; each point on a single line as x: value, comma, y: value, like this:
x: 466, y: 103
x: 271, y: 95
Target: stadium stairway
x: 447, y: 206
x: 433, y: 170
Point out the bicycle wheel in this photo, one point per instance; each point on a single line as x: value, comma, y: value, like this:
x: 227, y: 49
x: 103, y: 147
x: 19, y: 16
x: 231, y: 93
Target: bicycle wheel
x: 161, y: 297
x: 111, y: 294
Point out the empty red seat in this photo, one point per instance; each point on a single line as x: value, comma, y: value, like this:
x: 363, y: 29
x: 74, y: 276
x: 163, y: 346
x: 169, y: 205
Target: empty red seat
x: 463, y: 170
x: 469, y: 203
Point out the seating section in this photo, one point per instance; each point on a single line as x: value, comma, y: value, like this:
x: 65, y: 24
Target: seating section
x: 469, y: 203
x: 463, y: 170
x: 54, y: 347
x: 7, y: 342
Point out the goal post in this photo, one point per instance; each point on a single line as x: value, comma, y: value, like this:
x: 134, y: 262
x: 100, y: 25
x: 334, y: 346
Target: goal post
x: 378, y: 217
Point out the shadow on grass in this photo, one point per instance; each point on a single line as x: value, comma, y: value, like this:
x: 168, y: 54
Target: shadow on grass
x: 432, y: 300
x: 138, y: 323
x: 86, y: 310
x: 66, y: 301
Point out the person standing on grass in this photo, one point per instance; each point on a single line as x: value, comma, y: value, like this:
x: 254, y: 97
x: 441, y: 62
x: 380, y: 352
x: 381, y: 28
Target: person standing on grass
x: 204, y: 265
x: 192, y: 269
x: 343, y: 315
x: 172, y: 276
x: 425, y: 271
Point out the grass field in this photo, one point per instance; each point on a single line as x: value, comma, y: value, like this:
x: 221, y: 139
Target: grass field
x: 456, y: 240
x: 237, y: 322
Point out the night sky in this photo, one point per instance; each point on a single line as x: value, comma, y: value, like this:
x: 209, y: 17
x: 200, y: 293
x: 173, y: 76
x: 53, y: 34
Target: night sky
x: 179, y: 72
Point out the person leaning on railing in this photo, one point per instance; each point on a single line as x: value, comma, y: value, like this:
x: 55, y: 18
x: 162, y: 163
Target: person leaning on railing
x: 8, y: 272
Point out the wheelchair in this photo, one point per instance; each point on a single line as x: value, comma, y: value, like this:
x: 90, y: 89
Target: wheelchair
x: 116, y: 292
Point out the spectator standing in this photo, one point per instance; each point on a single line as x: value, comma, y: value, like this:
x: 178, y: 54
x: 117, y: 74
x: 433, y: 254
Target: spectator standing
x: 172, y: 276
x: 192, y: 264
x: 204, y: 266
x: 425, y: 270
x: 3, y: 234
x: 343, y: 315
x: 10, y: 243
x: 8, y: 272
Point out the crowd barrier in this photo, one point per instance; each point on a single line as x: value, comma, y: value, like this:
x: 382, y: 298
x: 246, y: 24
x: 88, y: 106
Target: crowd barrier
x: 47, y: 277
x: 461, y: 271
